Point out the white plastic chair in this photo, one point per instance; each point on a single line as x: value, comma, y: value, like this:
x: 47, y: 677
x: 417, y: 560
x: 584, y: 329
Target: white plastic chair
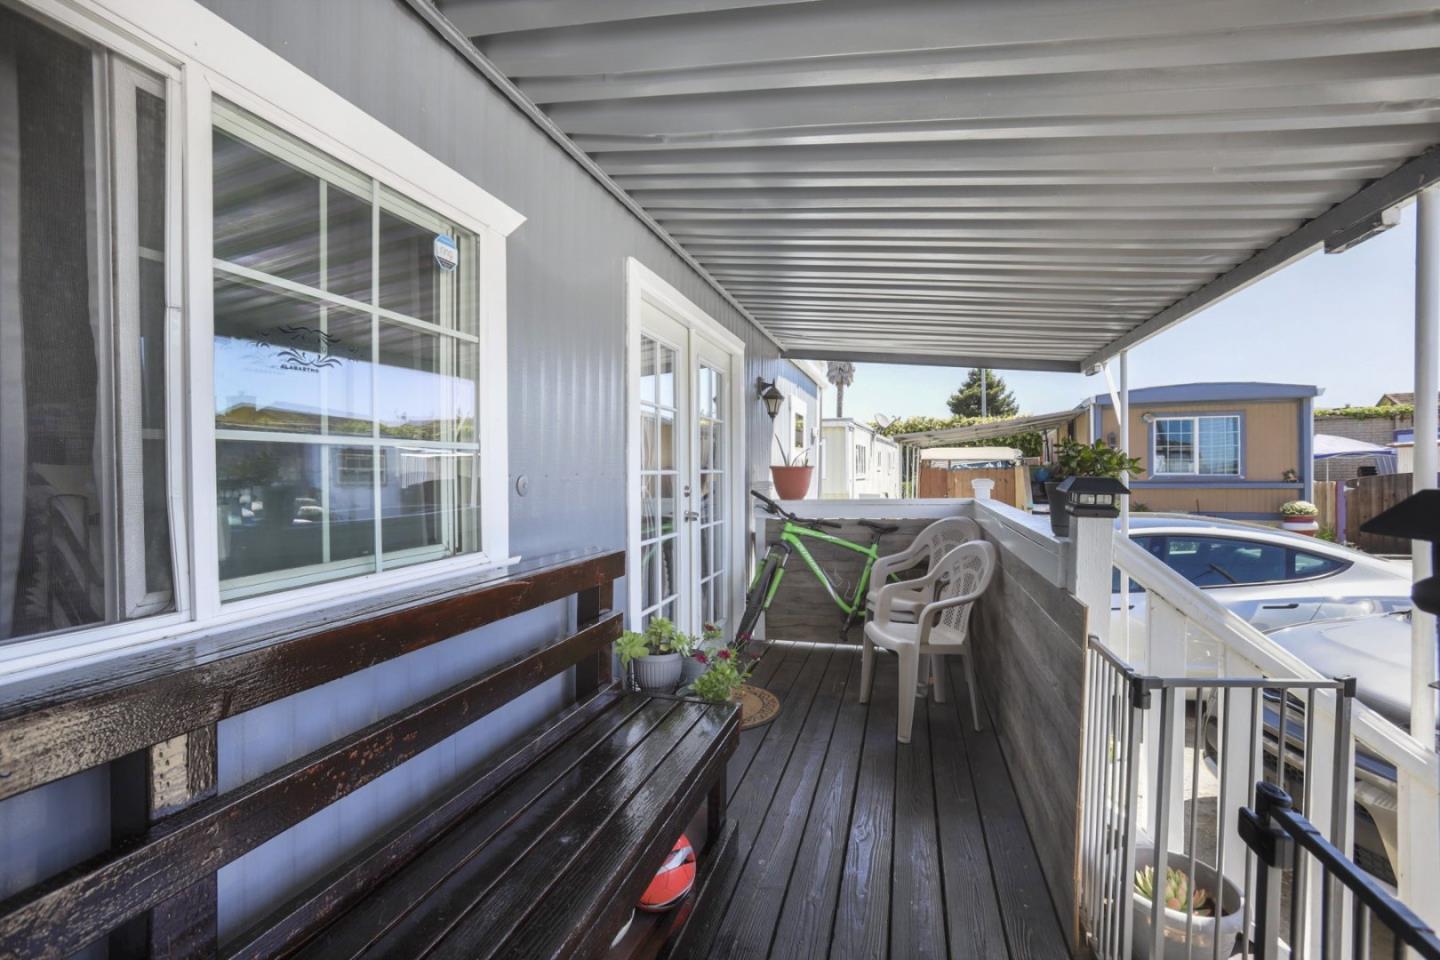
x: 930, y: 545
x: 941, y: 629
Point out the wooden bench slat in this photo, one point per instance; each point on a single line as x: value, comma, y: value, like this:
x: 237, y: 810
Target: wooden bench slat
x: 602, y: 884
x: 59, y: 917
x: 555, y: 845
x: 448, y: 870
x: 291, y: 925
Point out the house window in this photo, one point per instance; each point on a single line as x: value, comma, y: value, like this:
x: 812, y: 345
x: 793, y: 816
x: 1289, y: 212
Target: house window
x: 798, y: 443
x: 346, y: 351
x: 86, y: 274
x: 862, y: 459
x: 340, y: 338
x: 1197, y: 446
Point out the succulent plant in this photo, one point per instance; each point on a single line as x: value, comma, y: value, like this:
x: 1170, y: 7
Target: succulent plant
x: 1177, y: 891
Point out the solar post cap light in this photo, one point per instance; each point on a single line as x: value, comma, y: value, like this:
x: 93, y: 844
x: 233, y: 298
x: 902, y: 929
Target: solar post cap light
x: 1417, y: 517
x: 1093, y: 496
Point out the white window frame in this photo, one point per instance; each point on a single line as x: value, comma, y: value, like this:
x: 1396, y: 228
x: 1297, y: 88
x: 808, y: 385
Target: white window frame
x: 1195, y: 434
x: 202, y: 57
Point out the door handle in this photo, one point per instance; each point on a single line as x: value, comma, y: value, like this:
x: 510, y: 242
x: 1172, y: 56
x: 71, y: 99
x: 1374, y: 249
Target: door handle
x: 1279, y: 606
x: 691, y: 516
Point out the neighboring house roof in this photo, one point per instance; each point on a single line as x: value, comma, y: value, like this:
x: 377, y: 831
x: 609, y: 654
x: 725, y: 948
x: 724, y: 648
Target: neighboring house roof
x: 1390, y: 399
x: 1210, y: 392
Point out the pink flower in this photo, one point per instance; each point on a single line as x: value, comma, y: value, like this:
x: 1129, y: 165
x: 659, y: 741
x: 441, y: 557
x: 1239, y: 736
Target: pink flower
x: 702, y: 658
x: 723, y: 654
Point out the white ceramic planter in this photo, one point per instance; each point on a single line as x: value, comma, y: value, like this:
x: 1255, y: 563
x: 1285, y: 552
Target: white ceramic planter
x: 658, y: 671
x: 1305, y: 525
x: 1203, y: 932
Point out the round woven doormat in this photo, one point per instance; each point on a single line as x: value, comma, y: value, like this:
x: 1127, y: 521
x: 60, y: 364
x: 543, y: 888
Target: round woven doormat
x: 757, y: 705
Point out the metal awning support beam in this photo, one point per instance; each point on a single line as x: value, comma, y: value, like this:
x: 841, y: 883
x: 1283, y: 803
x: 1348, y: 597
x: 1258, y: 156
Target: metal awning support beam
x: 1394, y: 188
x: 933, y: 360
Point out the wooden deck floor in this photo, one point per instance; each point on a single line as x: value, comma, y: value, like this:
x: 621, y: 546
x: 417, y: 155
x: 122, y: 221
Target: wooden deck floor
x: 853, y: 845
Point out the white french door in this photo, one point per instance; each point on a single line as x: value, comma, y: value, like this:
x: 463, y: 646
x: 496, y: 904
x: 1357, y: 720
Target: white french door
x: 686, y: 541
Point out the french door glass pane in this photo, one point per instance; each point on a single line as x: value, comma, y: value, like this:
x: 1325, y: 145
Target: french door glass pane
x: 659, y: 479
x: 711, y: 477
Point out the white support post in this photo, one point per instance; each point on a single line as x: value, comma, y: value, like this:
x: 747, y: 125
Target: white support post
x: 1122, y: 417
x: 1419, y: 801
x: 1165, y: 629
x: 1092, y: 554
x: 1427, y: 386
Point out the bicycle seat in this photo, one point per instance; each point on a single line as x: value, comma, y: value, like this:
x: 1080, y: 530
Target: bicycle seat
x: 880, y: 528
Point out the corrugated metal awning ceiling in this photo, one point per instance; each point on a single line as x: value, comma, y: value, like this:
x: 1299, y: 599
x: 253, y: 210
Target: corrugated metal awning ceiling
x: 1024, y: 184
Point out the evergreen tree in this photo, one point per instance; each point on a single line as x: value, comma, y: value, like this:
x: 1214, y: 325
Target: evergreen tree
x: 999, y: 401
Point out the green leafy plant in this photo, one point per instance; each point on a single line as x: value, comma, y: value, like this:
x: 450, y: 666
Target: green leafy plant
x: 1097, y: 459
x: 631, y: 645
x: 1326, y: 533
x: 1029, y: 444
x: 1367, y: 413
x: 1177, y: 891
x: 801, y: 458
x: 661, y: 635
x: 721, y: 678
x: 1299, y: 508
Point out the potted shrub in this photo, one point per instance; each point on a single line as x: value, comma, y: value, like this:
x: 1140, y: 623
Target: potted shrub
x: 1097, y: 459
x: 1298, y: 516
x: 698, y: 654
x: 1184, y: 938
x: 652, y: 655
x: 722, y: 677
x: 792, y: 481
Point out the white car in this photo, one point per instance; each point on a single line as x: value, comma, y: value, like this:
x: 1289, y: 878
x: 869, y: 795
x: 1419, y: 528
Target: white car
x: 1267, y: 576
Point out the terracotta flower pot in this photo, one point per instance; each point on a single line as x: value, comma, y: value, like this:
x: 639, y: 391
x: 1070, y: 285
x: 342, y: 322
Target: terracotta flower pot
x: 791, y: 483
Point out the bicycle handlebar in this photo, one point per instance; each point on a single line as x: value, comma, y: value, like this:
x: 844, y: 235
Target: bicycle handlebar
x: 774, y: 509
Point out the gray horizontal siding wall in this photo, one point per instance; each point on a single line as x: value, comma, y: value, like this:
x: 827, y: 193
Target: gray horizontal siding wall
x: 566, y: 297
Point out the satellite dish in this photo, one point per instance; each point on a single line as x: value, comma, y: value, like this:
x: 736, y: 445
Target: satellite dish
x: 883, y: 421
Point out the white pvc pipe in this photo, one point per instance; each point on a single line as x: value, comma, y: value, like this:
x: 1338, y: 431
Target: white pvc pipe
x: 1427, y: 386
x: 1122, y: 415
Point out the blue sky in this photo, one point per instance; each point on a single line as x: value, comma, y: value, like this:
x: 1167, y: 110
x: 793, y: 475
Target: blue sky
x: 1342, y: 322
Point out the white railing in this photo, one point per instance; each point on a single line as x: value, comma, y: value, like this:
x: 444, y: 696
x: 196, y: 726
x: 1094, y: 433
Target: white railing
x: 1189, y: 635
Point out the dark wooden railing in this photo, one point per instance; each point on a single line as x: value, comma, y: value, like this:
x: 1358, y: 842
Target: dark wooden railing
x: 154, y: 718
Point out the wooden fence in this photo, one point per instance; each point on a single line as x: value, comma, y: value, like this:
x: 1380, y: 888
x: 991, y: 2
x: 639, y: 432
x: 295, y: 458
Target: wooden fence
x: 1012, y: 484
x: 1365, y: 497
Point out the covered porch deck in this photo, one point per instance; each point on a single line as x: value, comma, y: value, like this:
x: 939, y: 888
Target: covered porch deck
x: 852, y: 845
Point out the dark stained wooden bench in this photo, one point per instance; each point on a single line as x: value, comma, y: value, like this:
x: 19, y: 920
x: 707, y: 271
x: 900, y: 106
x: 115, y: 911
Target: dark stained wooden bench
x: 542, y: 851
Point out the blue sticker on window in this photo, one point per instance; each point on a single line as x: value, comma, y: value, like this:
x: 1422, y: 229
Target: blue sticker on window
x: 447, y: 254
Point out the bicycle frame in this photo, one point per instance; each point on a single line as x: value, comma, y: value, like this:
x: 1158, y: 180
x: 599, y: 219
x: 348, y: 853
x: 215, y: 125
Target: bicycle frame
x: 792, y: 537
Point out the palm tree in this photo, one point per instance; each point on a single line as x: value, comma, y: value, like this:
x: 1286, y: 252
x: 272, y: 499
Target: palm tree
x: 842, y: 374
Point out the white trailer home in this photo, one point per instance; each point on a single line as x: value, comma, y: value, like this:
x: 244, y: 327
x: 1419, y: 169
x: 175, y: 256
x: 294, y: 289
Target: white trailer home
x: 859, y: 462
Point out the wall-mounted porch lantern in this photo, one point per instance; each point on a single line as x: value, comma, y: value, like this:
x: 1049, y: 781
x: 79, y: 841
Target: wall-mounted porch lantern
x: 769, y: 395
x: 1093, y: 496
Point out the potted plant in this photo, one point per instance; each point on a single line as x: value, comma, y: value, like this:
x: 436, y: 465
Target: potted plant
x: 1185, y: 936
x: 792, y: 481
x: 652, y: 655
x: 722, y: 677
x: 1298, y: 516
x: 698, y: 654
x: 1097, y: 459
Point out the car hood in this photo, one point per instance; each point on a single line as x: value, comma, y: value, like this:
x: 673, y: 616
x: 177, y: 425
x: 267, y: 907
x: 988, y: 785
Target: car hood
x: 1374, y: 650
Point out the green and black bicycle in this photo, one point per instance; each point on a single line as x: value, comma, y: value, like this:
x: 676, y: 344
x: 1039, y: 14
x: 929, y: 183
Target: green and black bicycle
x: 792, y: 540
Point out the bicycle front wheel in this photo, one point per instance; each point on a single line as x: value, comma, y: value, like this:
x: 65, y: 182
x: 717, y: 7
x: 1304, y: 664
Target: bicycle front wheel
x: 755, y: 598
